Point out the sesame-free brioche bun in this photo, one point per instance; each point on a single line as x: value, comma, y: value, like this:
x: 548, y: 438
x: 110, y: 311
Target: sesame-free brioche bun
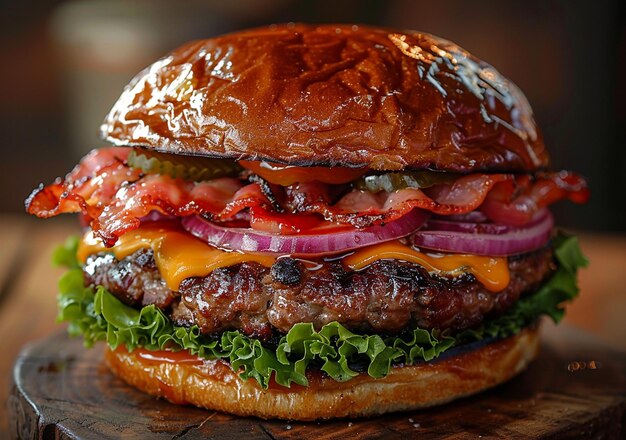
x: 330, y: 95
x: 213, y: 385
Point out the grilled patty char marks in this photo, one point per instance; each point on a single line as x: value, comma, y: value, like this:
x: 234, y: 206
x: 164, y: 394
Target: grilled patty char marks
x: 135, y: 280
x: 385, y: 297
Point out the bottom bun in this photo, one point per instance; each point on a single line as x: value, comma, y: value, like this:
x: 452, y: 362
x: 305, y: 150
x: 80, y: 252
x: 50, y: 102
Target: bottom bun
x: 213, y: 385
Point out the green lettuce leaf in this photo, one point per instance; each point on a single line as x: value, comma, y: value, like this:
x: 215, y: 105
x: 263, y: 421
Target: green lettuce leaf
x: 65, y: 255
x: 97, y: 315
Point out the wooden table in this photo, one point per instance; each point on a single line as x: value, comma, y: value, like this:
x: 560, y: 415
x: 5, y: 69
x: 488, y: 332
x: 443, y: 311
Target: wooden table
x: 28, y: 288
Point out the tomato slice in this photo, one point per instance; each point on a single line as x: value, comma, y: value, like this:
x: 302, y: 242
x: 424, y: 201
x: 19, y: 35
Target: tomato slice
x: 286, y: 175
x: 288, y: 224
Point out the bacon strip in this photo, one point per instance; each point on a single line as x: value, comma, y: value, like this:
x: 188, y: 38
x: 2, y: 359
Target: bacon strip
x: 463, y: 196
x: 515, y: 203
x: 115, y: 197
x: 219, y: 198
x: 88, y: 188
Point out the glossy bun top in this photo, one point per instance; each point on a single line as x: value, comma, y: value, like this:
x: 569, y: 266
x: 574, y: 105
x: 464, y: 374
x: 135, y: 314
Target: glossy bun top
x: 335, y: 95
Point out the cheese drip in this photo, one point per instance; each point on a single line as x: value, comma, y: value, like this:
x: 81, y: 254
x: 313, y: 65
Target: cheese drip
x: 177, y: 254
x: 492, y: 272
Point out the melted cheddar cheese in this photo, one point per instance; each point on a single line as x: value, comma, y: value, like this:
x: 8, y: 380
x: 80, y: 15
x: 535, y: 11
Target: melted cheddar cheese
x: 179, y: 255
x: 492, y: 272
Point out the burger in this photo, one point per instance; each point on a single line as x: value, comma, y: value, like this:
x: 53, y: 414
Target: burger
x: 310, y: 222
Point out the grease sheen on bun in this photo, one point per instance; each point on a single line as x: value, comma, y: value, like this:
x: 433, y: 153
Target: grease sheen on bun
x: 215, y: 386
x: 332, y: 96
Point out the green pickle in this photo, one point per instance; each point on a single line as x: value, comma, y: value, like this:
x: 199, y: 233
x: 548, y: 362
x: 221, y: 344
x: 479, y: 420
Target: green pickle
x: 192, y: 168
x: 390, y: 182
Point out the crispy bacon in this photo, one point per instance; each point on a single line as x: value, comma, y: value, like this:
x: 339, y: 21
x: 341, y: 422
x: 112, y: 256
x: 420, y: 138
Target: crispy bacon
x: 363, y: 209
x: 115, y: 197
x: 219, y: 199
x: 515, y: 202
x: 88, y: 188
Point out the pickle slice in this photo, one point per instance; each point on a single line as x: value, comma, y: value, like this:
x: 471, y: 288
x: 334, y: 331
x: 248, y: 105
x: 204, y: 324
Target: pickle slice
x: 410, y: 179
x: 191, y: 168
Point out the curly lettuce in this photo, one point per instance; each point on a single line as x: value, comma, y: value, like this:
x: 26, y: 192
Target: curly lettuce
x: 97, y: 315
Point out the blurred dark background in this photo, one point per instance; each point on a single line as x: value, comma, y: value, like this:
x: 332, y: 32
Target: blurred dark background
x: 64, y: 63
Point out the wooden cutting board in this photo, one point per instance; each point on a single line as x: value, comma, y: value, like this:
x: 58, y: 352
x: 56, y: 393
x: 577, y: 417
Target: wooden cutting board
x: 575, y: 389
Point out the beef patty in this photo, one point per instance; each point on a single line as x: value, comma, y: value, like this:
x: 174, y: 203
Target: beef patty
x: 384, y: 298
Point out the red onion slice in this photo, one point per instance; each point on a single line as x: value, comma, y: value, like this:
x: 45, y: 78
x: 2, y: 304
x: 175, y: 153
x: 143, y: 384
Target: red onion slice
x: 510, y: 242
x: 249, y: 240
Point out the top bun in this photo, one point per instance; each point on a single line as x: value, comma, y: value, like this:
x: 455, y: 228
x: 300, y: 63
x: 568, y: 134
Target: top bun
x: 330, y: 95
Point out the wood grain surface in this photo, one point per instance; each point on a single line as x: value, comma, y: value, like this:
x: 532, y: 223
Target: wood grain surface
x: 576, y: 388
